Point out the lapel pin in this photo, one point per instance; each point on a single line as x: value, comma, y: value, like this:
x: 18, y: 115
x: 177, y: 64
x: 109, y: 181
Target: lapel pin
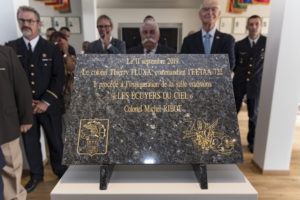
x: 44, y: 55
x: 217, y: 37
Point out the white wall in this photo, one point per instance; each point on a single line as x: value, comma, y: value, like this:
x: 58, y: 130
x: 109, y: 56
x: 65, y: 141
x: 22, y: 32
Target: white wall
x: 8, y: 20
x: 279, y: 97
x: 75, y: 39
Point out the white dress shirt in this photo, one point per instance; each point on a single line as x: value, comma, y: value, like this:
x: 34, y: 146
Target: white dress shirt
x: 32, y: 42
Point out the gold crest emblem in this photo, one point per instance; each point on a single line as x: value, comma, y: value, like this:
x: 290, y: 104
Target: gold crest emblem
x: 93, y: 137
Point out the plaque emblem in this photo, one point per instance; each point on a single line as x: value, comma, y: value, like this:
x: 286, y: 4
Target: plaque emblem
x: 206, y: 138
x: 93, y: 137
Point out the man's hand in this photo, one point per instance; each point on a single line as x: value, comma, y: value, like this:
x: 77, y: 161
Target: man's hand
x: 40, y: 107
x: 64, y: 46
x: 33, y: 104
x: 106, y: 39
x: 25, y: 127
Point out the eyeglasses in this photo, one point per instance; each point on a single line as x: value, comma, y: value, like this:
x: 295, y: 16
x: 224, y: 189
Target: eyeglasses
x: 29, y: 21
x: 103, y: 26
x: 213, y: 9
x: 151, y: 32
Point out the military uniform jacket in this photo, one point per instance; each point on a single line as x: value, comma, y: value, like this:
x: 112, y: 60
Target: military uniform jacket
x: 45, y: 70
x: 15, y: 96
x: 249, y: 66
x: 222, y: 44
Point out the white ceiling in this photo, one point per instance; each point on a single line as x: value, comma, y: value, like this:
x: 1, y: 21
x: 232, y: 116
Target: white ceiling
x: 148, y: 3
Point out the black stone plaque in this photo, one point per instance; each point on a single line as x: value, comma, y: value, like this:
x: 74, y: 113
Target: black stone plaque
x: 152, y: 109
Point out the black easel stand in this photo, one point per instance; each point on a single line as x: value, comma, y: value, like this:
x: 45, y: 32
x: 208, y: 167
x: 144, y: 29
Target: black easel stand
x: 201, y: 174
x: 105, y: 174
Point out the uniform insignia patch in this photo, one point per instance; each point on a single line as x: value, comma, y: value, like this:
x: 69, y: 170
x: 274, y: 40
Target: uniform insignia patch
x: 46, y: 59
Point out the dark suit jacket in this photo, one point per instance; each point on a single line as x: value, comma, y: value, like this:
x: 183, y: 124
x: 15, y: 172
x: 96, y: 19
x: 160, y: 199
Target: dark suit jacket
x: 160, y: 50
x: 249, y: 67
x: 45, y: 70
x: 72, y: 51
x: 117, y: 47
x: 15, y: 96
x: 222, y: 44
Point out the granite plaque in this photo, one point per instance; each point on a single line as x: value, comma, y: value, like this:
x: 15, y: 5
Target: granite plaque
x: 152, y: 109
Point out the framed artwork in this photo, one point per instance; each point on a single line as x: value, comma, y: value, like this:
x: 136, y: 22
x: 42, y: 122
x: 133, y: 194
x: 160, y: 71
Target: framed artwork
x: 226, y: 24
x: 74, y: 24
x: 239, y: 26
x: 46, y: 23
x: 265, y: 25
x: 59, y: 22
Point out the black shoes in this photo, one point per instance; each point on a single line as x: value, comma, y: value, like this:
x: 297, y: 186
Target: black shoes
x: 31, y: 185
x: 250, y: 147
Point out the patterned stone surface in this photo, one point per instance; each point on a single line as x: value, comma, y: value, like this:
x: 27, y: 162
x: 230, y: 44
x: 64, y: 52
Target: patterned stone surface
x: 152, y: 109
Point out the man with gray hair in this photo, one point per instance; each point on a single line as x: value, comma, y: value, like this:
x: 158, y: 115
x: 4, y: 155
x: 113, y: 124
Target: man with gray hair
x: 106, y: 44
x: 150, y: 34
x: 43, y: 64
x: 209, y: 40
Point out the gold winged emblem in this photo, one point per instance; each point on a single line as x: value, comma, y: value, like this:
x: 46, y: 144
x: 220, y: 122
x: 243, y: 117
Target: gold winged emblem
x: 206, y: 138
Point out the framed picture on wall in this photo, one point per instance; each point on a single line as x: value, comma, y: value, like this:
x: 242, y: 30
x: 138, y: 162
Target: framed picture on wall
x: 239, y: 26
x: 226, y: 24
x: 59, y: 22
x: 46, y: 23
x: 74, y: 24
x: 265, y: 25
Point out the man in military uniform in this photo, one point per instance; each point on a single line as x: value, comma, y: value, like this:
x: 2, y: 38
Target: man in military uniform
x: 43, y: 64
x: 249, y: 53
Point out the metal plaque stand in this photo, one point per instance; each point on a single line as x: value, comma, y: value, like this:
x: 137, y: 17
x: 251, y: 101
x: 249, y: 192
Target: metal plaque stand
x: 105, y: 174
x: 201, y: 174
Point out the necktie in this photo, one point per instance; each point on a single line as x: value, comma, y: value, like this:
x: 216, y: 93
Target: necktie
x: 148, y: 51
x: 29, y: 49
x: 207, y: 43
x: 29, y: 52
x: 253, y: 44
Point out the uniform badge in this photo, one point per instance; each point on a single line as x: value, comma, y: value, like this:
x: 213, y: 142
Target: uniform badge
x: 243, y: 53
x: 20, y: 56
x: 44, y: 55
